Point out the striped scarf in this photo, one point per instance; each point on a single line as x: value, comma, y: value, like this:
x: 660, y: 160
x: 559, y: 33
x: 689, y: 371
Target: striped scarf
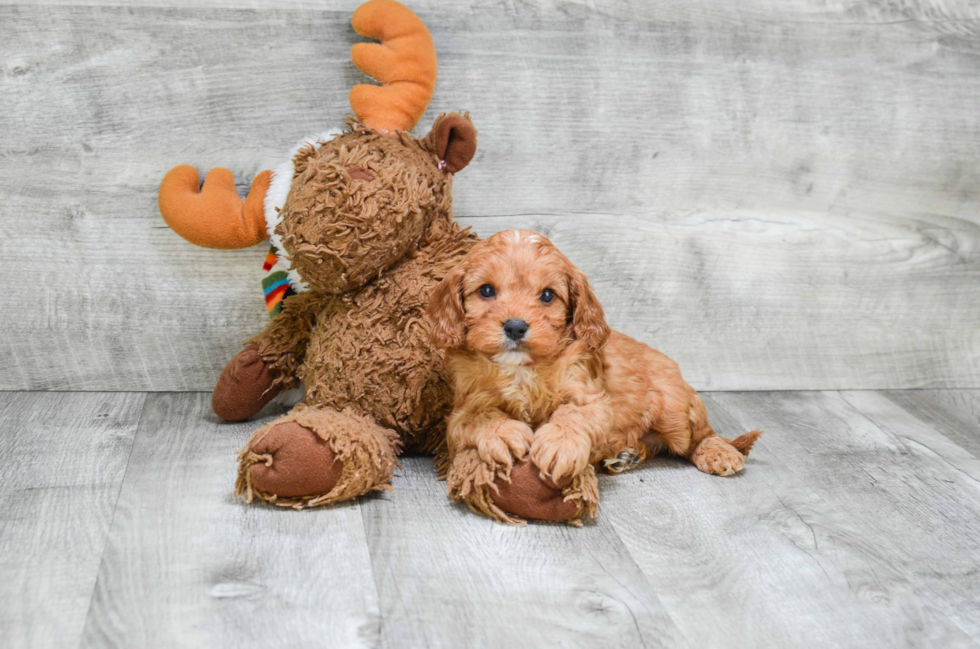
x: 276, y: 284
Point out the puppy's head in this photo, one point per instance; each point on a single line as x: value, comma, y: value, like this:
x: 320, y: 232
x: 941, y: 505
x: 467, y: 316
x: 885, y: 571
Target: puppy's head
x: 515, y: 298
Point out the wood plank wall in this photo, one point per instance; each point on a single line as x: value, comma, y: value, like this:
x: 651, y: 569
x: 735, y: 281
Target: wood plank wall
x: 780, y: 194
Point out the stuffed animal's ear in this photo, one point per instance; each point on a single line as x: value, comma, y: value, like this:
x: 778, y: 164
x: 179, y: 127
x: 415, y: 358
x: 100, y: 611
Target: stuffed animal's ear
x: 453, y: 139
x: 587, y: 320
x: 447, y: 320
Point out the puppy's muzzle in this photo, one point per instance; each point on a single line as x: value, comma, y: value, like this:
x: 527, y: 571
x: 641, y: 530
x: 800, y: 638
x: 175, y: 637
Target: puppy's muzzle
x: 515, y: 329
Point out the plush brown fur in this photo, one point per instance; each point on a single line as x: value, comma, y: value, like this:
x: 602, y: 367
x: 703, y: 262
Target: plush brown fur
x: 341, y: 230
x: 368, y: 225
x: 568, y: 396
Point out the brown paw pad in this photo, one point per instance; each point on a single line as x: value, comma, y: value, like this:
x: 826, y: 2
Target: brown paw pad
x: 528, y: 496
x: 302, y: 464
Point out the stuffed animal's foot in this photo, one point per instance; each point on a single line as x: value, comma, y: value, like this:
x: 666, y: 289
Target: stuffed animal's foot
x: 315, y: 457
x: 717, y: 456
x: 246, y: 384
x: 509, y: 495
x: 528, y: 495
x: 290, y: 461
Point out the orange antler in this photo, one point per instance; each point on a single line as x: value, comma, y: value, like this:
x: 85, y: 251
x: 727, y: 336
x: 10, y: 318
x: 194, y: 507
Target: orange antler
x: 404, y: 62
x: 214, y: 217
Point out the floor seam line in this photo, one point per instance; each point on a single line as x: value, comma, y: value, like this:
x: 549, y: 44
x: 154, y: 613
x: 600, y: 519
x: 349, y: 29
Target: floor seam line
x: 112, y: 519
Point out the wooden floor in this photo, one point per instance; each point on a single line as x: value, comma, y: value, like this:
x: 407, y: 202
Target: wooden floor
x: 856, y: 523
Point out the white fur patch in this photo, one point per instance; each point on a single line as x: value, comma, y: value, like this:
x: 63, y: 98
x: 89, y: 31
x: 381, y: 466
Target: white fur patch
x: 519, y: 236
x: 521, y: 377
x: 512, y: 357
x: 514, y: 366
x: 275, y: 198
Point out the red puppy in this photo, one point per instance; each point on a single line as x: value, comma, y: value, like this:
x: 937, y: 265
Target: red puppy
x: 538, y: 374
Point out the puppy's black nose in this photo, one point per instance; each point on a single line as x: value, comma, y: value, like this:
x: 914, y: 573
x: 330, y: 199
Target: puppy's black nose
x: 515, y: 329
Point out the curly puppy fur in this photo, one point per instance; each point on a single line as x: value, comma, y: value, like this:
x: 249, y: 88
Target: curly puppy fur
x: 368, y: 225
x: 567, y: 393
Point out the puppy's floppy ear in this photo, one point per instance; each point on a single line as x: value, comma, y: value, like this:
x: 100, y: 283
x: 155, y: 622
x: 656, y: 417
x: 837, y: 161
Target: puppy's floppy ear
x: 447, y: 320
x: 587, y: 320
x: 453, y: 139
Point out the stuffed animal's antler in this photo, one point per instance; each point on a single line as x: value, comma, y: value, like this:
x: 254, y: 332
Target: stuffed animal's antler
x: 404, y: 62
x: 214, y: 217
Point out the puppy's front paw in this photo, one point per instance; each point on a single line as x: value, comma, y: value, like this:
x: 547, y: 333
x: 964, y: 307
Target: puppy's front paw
x: 505, y: 442
x: 560, y: 456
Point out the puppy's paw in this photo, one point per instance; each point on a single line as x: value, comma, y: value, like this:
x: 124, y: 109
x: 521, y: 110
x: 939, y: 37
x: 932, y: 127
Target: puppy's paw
x: 505, y: 442
x: 558, y: 455
x: 716, y: 456
x: 625, y: 460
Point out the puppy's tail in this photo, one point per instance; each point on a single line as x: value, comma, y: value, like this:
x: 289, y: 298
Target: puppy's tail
x: 743, y: 443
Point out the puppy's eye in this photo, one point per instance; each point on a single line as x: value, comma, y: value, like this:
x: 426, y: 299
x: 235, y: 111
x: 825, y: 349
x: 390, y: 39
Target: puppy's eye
x: 487, y: 291
x: 547, y: 295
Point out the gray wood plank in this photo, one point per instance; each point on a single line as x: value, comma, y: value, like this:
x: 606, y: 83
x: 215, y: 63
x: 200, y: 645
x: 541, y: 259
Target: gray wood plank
x: 899, y: 506
x: 929, y: 420
x: 779, y: 195
x: 839, y: 532
x: 449, y: 578
x: 957, y: 17
x: 62, y: 460
x: 954, y: 413
x: 188, y: 565
x: 856, y: 523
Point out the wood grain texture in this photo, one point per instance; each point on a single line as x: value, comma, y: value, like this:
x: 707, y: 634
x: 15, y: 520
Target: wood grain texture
x: 835, y: 518
x: 777, y: 194
x: 952, y: 16
x: 62, y: 460
x: 930, y: 419
x: 188, y: 565
x: 954, y: 413
x: 449, y: 578
x: 855, y: 524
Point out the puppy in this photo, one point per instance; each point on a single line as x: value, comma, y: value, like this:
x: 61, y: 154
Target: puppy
x: 539, y: 376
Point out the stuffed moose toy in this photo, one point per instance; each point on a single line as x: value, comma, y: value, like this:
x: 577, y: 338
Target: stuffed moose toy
x: 362, y: 230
